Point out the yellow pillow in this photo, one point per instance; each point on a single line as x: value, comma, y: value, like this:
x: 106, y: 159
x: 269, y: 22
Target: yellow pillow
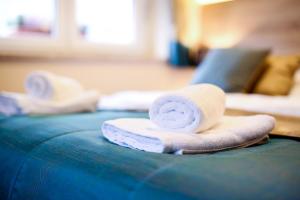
x: 278, y: 77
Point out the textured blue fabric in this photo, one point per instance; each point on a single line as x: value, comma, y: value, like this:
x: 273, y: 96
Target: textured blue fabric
x: 230, y: 68
x: 66, y: 157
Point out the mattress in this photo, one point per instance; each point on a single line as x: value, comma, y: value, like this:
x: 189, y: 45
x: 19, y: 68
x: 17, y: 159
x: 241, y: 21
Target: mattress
x: 66, y: 157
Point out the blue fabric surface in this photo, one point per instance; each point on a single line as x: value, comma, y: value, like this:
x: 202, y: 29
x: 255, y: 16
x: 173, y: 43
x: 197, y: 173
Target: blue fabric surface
x: 66, y: 157
x: 229, y: 68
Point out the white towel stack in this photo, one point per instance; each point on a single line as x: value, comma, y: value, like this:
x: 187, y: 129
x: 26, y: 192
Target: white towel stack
x: 48, y: 93
x: 189, y: 121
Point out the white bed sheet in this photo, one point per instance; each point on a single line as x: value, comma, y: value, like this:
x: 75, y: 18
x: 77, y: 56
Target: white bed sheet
x: 141, y: 101
x: 280, y: 105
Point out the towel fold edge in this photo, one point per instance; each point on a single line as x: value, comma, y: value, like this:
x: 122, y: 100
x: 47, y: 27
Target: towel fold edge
x: 118, y: 136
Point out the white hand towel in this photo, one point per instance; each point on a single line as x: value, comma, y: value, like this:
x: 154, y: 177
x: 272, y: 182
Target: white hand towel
x: 47, y: 86
x: 192, y: 109
x: 230, y: 132
x: 17, y: 104
x: 189, y: 121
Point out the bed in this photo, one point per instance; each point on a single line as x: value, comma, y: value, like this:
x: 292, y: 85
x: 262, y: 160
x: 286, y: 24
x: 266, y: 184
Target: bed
x: 66, y: 157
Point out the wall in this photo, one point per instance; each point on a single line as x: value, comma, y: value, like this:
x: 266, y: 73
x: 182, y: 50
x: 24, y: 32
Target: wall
x: 188, y: 22
x: 107, y: 77
x: 254, y: 23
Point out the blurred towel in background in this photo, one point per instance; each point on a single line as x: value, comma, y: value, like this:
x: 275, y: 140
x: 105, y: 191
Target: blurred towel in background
x: 48, y: 94
x: 47, y: 86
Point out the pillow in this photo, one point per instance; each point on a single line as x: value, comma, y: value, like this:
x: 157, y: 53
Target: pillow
x: 278, y: 78
x: 230, y: 68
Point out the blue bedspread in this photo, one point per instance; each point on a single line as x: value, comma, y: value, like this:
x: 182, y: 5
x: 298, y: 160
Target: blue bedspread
x: 66, y: 157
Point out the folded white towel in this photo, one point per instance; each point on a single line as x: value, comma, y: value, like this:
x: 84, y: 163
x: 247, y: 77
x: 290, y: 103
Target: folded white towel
x: 230, y: 132
x: 189, y: 121
x: 48, y: 86
x: 191, y: 109
x: 17, y: 104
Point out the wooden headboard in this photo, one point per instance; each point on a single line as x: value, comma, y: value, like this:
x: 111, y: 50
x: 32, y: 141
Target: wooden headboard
x: 253, y: 23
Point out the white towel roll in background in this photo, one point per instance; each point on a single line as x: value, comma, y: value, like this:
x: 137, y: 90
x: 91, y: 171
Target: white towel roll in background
x: 47, y: 94
x: 48, y: 86
x: 189, y: 110
x: 20, y: 104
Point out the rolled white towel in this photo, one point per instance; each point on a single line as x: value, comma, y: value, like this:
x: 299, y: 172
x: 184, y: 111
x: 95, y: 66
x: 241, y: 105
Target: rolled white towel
x: 18, y: 104
x: 192, y: 109
x: 47, y: 86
